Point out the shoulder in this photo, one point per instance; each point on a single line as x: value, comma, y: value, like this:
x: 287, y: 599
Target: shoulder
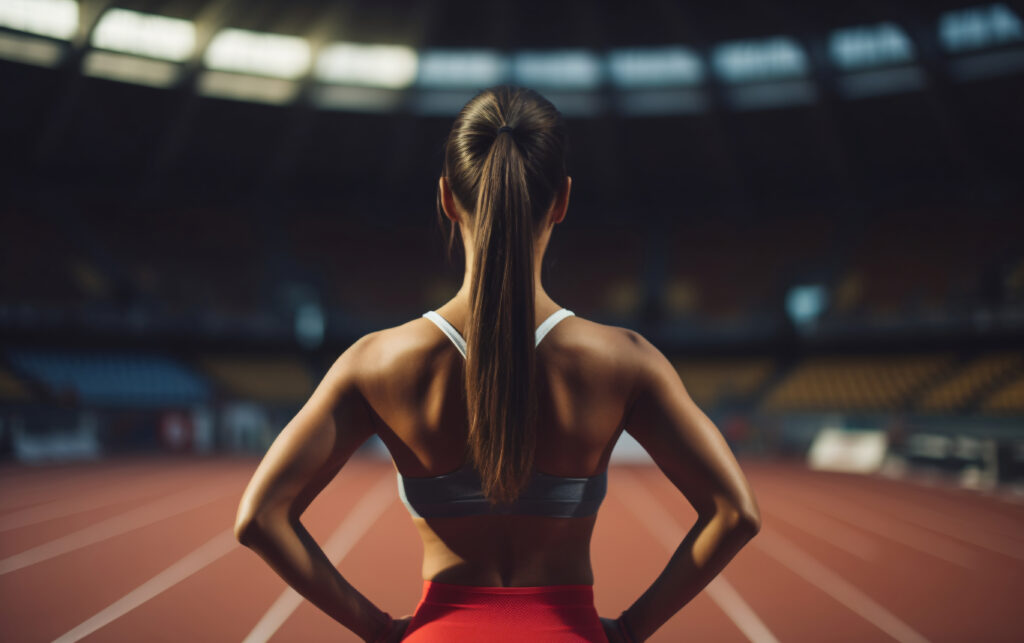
x: 617, y: 341
x: 622, y: 350
x: 387, y: 354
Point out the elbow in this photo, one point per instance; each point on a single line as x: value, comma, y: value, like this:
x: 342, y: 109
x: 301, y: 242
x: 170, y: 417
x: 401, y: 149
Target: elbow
x: 252, y: 528
x: 244, y: 529
x: 751, y: 522
x: 248, y: 524
x: 745, y: 520
x: 739, y: 515
x: 748, y: 519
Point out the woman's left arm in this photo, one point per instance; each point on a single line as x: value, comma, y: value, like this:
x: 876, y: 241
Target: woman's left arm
x: 304, y: 457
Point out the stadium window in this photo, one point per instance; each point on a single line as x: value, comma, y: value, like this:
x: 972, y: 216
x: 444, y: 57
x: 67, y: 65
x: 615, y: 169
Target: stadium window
x: 253, y: 52
x: 979, y: 27
x: 650, y: 67
x: 870, y: 46
x: 356, y: 99
x: 52, y: 18
x: 390, y: 66
x: 130, y: 69
x: 243, y: 87
x: 558, y: 69
x: 145, y: 34
x: 30, y: 50
x: 445, y: 68
x: 752, y: 60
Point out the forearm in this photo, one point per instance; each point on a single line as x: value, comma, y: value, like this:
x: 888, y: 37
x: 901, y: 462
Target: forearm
x: 707, y: 548
x: 296, y: 557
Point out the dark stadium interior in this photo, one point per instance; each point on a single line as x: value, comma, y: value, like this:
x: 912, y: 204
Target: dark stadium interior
x: 172, y: 259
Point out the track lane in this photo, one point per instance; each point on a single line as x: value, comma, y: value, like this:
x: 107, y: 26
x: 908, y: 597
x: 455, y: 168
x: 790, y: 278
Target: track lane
x: 980, y: 532
x: 383, y: 564
x: 627, y: 557
x: 929, y: 595
x: 84, y: 477
x: 791, y: 608
x: 224, y: 600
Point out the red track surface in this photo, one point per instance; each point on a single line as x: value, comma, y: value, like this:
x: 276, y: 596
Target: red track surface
x: 839, y: 558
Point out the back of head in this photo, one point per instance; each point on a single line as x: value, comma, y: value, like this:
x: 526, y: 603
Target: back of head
x: 504, y: 160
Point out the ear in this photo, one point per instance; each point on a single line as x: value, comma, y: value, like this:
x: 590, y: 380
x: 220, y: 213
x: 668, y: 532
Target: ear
x: 561, y: 204
x: 448, y: 200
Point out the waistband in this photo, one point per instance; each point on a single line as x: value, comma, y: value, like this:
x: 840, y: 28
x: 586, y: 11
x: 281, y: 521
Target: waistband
x: 434, y: 592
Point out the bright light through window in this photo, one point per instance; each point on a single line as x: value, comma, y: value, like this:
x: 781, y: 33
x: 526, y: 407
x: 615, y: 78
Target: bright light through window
x: 767, y: 59
x: 53, y: 18
x: 870, y: 46
x: 655, y: 67
x: 145, y: 34
x: 462, y: 68
x: 979, y: 27
x: 559, y: 69
x: 253, y: 52
x: 392, y: 66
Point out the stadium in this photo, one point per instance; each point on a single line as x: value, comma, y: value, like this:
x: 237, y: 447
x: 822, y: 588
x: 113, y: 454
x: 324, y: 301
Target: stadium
x: 815, y: 211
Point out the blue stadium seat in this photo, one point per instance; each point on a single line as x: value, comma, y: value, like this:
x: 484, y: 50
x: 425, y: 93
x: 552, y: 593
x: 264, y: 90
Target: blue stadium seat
x: 113, y: 378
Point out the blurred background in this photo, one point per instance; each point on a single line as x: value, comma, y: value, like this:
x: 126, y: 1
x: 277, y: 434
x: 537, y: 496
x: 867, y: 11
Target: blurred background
x: 814, y: 209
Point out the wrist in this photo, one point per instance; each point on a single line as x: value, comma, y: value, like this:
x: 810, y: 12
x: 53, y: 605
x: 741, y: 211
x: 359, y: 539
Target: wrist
x: 625, y: 629
x: 382, y: 629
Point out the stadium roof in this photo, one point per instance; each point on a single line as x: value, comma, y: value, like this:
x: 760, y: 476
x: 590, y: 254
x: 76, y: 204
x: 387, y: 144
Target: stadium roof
x: 748, y: 105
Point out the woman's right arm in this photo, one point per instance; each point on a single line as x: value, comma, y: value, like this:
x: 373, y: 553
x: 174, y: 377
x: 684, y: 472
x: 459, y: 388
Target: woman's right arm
x: 691, y: 452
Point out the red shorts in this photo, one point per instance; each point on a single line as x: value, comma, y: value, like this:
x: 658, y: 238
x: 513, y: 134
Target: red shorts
x: 450, y: 613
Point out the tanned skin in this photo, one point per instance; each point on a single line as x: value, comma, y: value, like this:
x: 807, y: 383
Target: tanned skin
x: 404, y: 385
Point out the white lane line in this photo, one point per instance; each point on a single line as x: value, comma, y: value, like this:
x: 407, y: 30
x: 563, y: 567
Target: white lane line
x: 199, y: 558
x: 782, y: 550
x: 71, y: 506
x: 916, y: 538
x: 119, y: 524
x: 349, y: 532
x: 669, y: 533
x: 829, y: 530
x: 737, y: 609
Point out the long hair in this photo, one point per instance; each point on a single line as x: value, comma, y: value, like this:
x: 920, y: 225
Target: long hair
x: 506, y: 180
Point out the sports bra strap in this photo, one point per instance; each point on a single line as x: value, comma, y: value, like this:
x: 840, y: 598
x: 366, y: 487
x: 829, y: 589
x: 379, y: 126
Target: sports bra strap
x: 448, y: 330
x: 460, y: 343
x: 550, y: 322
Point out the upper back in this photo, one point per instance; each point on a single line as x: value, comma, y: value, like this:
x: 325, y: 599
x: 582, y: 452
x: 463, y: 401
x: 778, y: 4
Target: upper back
x: 412, y: 378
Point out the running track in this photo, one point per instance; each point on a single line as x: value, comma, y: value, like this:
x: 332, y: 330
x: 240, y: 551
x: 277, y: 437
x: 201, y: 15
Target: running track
x: 141, y: 549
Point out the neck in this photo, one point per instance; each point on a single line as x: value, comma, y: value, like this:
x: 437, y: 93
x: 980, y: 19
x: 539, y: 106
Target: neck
x: 540, y: 297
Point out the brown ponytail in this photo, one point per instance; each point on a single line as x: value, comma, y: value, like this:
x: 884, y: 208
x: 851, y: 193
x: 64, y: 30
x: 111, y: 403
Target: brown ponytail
x: 511, y: 177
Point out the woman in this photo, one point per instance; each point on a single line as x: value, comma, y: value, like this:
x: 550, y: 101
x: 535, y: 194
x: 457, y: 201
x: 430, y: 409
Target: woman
x: 501, y: 441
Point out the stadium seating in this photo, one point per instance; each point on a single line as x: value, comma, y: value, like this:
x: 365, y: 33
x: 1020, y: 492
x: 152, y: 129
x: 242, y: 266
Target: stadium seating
x: 105, y: 378
x: 1007, y: 399
x: 955, y: 254
x: 860, y: 383
x: 11, y: 388
x: 261, y: 379
x: 711, y: 382
x: 963, y: 385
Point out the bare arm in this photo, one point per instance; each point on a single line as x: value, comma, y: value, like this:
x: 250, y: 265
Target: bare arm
x: 306, y: 455
x: 692, y: 453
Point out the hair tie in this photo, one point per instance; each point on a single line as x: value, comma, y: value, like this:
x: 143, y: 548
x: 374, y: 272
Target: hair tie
x: 504, y: 128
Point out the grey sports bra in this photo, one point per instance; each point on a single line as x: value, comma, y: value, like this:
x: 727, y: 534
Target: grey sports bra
x: 459, y: 493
